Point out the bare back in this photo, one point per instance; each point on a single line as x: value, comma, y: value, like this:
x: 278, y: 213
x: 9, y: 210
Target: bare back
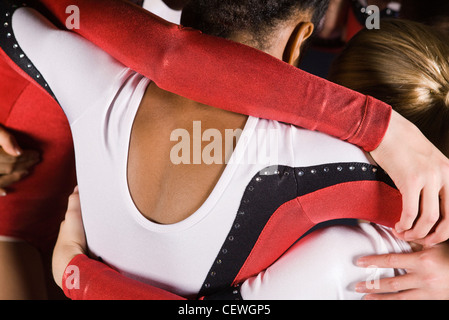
x: 165, y: 192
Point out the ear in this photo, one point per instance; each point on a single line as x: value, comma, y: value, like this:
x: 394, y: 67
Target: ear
x: 299, y: 35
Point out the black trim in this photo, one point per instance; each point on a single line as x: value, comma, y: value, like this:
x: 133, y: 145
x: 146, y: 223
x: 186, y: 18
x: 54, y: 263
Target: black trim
x: 10, y: 46
x: 231, y: 293
x: 265, y: 193
x: 138, y: 2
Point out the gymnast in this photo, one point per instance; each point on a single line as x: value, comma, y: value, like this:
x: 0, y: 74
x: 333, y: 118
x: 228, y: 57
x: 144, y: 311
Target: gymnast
x: 34, y: 197
x: 198, y: 229
x: 405, y: 64
x: 181, y: 90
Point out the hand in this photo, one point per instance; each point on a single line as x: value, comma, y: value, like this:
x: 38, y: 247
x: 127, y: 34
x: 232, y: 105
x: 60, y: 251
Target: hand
x: 71, y: 239
x: 15, y: 163
x: 421, y: 173
x: 427, y: 275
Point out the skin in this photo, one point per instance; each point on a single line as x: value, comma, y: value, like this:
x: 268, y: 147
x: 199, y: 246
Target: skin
x: 152, y: 186
x: 15, y: 163
x: 21, y: 272
x: 427, y: 276
x: 428, y: 267
x: 429, y: 179
x: 167, y: 193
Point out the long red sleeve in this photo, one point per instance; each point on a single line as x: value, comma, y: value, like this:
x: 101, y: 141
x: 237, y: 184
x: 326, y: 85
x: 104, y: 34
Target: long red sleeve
x: 87, y: 279
x: 222, y: 74
x: 372, y: 201
x: 226, y: 74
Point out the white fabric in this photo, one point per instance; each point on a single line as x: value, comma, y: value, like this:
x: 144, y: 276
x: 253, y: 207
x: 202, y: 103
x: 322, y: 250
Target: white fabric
x: 100, y: 98
x: 321, y: 266
x: 159, y: 8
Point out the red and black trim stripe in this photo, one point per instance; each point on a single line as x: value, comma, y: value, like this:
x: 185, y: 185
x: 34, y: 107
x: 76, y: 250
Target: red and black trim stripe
x: 265, y: 194
x: 11, y: 47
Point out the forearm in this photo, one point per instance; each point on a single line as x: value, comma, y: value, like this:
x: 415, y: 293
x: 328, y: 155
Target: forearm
x: 88, y: 279
x: 225, y: 74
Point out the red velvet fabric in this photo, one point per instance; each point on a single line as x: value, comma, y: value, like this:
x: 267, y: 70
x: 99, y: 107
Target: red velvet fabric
x: 370, y: 200
x: 206, y: 69
x: 87, y: 279
x: 226, y: 74
x: 35, y: 206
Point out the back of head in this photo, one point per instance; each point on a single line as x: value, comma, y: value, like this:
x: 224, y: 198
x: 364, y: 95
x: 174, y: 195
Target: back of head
x: 405, y: 64
x: 256, y: 18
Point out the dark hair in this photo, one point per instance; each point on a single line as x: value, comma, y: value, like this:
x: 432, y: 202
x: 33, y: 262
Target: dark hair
x: 434, y: 13
x: 224, y: 18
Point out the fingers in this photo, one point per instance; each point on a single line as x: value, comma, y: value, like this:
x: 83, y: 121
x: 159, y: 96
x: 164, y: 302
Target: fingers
x: 9, y: 164
x: 9, y: 143
x: 14, y: 169
x: 412, y: 294
x: 74, y: 206
x: 9, y: 179
x: 390, y: 285
x: 425, y: 211
x: 441, y: 232
x: 402, y: 287
x: 391, y: 260
x: 429, y: 214
x: 71, y: 239
x: 410, y: 208
x: 73, y: 224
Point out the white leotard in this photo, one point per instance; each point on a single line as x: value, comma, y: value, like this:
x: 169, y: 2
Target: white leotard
x: 100, y: 97
x: 159, y: 8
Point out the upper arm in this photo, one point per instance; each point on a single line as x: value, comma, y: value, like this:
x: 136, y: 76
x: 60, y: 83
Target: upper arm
x: 78, y: 73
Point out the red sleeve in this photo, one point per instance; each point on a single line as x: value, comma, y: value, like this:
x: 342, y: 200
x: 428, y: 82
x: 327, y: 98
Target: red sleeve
x: 88, y: 279
x: 373, y: 201
x: 226, y: 74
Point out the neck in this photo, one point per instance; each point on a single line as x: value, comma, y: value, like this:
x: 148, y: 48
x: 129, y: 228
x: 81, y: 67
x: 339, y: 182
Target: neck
x: 274, y: 46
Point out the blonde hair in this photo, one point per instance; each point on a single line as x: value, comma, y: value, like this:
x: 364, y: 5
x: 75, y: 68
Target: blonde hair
x: 405, y: 64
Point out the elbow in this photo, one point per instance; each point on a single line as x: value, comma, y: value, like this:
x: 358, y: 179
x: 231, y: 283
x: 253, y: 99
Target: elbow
x: 176, y: 52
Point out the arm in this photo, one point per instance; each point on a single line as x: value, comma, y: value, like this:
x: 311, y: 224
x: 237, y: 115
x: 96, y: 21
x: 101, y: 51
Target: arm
x: 99, y: 282
x: 244, y: 80
x: 77, y: 73
x: 95, y: 280
x: 82, y: 278
x: 15, y: 162
x: 239, y: 78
